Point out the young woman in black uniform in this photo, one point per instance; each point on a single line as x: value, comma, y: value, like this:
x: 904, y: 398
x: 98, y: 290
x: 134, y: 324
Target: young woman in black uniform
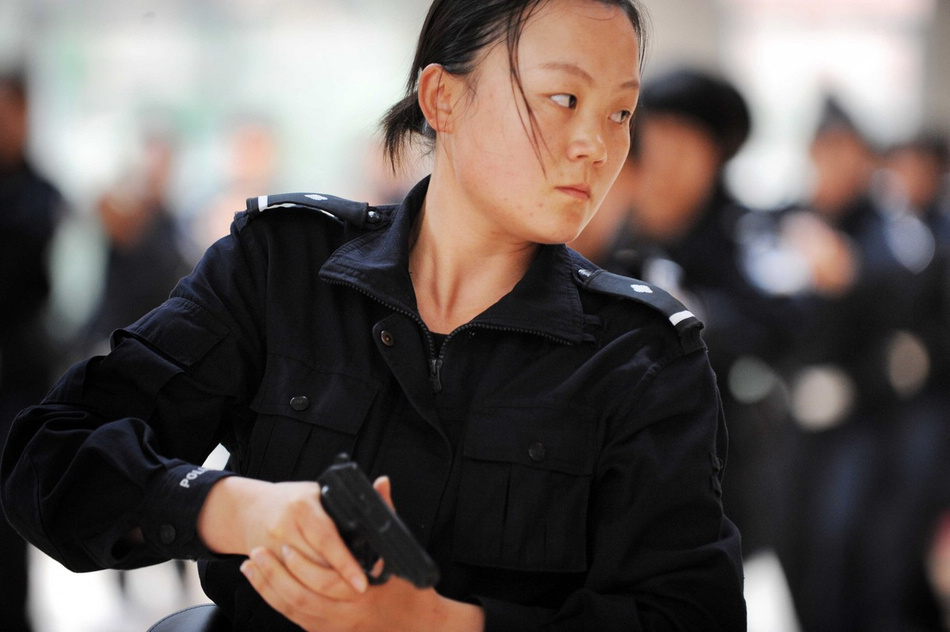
x: 549, y: 432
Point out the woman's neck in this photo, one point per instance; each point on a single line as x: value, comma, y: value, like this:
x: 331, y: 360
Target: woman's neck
x: 459, y: 267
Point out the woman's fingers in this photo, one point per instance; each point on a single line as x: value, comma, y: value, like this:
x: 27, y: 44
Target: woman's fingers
x: 384, y: 488
x: 320, y: 537
x: 316, y: 577
x: 305, y: 593
x: 274, y: 583
x: 302, y: 523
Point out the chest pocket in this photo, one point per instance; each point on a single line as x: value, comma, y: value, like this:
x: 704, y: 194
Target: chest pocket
x: 525, y: 486
x: 305, y: 417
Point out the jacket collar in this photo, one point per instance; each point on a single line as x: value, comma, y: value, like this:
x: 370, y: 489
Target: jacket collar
x: 545, y: 302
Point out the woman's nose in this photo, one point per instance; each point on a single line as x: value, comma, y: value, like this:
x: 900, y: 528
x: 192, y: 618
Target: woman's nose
x: 588, y: 143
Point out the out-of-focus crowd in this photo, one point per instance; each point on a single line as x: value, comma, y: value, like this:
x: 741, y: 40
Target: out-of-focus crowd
x: 827, y: 322
x: 828, y: 325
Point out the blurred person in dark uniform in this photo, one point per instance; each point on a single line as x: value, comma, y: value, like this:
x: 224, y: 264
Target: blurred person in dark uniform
x: 146, y: 253
x: 29, y: 210
x: 911, y: 190
x: 860, y: 459
x: 680, y: 230
x: 145, y: 258
x: 919, y: 170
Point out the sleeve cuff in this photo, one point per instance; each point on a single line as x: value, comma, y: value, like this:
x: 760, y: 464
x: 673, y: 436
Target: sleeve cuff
x: 170, y: 524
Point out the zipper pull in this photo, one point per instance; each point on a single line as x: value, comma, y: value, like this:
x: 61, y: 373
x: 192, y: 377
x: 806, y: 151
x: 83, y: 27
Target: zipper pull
x: 435, y: 380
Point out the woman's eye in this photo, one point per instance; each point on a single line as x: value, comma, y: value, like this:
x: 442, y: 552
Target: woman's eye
x: 565, y: 100
x: 621, y: 116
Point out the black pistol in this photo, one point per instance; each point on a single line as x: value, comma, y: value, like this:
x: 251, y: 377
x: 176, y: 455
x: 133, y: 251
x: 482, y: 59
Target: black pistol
x: 370, y: 529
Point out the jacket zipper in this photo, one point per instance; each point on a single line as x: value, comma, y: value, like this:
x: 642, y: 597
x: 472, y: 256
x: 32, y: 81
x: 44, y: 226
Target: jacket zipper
x: 435, y: 361
x: 435, y: 373
x: 435, y: 364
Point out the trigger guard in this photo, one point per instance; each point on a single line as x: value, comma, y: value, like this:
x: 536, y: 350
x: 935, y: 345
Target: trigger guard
x: 383, y: 577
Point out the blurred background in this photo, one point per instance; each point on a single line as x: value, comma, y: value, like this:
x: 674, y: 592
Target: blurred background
x: 148, y: 123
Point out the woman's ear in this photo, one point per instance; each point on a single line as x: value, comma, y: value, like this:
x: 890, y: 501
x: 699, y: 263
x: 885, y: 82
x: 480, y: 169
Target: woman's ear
x: 439, y: 91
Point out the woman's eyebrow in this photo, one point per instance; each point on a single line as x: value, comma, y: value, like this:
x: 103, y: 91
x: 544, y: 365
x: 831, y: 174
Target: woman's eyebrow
x: 577, y: 71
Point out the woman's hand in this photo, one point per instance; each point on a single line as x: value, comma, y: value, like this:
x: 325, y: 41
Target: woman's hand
x: 242, y: 515
x: 301, y: 567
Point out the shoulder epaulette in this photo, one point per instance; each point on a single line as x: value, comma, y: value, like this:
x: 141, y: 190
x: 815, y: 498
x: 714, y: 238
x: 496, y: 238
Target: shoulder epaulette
x: 625, y: 287
x: 359, y: 214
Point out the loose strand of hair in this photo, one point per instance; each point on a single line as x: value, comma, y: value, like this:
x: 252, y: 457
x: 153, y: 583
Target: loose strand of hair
x: 515, y: 26
x: 400, y: 123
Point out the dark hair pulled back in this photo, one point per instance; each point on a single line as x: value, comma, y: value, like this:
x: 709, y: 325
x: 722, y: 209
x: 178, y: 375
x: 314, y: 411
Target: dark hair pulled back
x: 453, y: 35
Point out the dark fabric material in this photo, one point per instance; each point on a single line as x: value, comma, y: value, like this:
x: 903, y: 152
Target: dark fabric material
x: 559, y: 457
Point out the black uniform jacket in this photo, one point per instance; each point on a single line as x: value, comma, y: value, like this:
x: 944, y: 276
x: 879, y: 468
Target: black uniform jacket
x: 559, y: 456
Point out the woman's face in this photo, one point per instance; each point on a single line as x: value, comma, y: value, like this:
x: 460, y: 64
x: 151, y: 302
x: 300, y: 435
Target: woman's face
x: 579, y: 66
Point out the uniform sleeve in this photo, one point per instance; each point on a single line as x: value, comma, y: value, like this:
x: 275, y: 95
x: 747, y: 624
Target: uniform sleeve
x: 116, y: 444
x: 662, y: 554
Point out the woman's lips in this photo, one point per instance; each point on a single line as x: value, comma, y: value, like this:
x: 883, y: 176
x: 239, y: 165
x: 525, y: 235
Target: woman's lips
x: 579, y: 191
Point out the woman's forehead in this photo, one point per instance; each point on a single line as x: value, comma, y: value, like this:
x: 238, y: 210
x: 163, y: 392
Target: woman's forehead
x: 571, y: 35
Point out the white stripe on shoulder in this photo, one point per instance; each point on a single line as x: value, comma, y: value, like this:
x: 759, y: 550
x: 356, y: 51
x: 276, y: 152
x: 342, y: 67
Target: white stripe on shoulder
x: 679, y: 317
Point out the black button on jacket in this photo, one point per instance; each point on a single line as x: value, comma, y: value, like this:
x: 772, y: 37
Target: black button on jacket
x: 559, y: 456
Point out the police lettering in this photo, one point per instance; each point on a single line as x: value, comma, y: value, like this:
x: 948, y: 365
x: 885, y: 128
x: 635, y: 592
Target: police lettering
x: 192, y: 475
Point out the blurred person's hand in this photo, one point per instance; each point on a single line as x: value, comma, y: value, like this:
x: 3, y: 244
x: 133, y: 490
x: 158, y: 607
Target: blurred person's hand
x: 14, y: 128
x: 125, y: 216
x: 938, y: 565
x: 829, y: 254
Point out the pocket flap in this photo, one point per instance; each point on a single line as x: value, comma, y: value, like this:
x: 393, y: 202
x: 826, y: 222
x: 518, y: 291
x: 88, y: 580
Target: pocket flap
x: 291, y: 388
x: 180, y: 329
x: 559, y: 437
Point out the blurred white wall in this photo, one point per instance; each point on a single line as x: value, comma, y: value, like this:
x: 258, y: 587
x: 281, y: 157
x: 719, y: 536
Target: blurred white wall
x: 322, y: 72
x: 787, y: 55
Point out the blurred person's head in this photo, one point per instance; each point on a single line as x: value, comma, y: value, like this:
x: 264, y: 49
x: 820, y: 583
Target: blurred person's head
x: 843, y: 161
x: 920, y: 166
x: 13, y: 119
x: 129, y: 208
x: 689, y: 125
x: 252, y: 153
x: 158, y: 161
x: 124, y: 214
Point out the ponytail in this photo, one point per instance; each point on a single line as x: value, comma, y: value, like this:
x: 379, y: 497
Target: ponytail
x: 401, y: 124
